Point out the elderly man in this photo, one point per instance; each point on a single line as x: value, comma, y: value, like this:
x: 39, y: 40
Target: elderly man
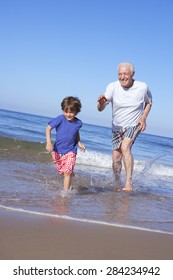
x: 131, y: 103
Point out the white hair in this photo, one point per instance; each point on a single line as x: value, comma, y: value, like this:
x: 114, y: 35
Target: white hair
x: 130, y: 65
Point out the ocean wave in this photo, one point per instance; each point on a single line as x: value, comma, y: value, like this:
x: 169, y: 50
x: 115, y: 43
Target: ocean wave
x: 95, y: 159
x: 22, y: 150
x: 100, y: 160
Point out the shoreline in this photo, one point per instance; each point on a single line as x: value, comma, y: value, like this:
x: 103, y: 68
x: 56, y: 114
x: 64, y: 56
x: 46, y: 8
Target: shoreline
x: 69, y: 218
x: 29, y: 237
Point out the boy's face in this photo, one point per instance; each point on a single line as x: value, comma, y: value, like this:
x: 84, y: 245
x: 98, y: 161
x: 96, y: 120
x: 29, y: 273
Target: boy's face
x: 69, y: 115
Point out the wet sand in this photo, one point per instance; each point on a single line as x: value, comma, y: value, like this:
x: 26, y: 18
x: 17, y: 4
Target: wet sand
x: 29, y: 237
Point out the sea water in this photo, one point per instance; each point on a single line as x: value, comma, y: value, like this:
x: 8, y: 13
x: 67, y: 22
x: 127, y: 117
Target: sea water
x: 29, y: 182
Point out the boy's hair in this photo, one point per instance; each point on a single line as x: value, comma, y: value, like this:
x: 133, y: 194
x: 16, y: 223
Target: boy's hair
x: 72, y: 103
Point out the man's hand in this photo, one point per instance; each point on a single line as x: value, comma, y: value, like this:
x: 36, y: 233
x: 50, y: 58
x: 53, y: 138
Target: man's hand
x: 142, y: 124
x: 101, y: 102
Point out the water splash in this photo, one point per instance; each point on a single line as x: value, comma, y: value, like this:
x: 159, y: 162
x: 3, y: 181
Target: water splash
x: 150, y: 163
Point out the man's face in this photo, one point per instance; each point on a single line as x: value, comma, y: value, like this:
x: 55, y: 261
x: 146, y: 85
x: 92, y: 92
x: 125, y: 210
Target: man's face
x: 125, y: 76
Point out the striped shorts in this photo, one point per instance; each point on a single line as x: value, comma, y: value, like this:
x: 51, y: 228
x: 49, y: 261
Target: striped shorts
x: 118, y: 136
x: 64, y: 163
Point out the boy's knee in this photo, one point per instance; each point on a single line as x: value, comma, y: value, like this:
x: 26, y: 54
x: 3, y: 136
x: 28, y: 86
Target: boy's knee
x: 67, y: 174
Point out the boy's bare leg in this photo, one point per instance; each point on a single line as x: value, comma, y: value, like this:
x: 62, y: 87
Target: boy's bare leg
x: 67, y: 181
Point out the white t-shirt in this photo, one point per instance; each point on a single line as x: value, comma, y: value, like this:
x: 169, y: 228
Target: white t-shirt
x: 127, y: 103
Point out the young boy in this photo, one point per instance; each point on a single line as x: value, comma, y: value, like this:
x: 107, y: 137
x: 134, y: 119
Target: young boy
x: 64, y: 150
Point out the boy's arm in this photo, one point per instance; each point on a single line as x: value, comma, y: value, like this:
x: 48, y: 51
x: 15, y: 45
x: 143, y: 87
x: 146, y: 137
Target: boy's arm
x: 80, y: 144
x: 49, y: 145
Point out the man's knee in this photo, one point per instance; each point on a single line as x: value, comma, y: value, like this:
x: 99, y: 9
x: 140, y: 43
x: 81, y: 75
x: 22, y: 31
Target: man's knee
x: 126, y: 145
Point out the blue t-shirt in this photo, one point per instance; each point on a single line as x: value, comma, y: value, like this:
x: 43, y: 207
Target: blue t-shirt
x: 66, y: 134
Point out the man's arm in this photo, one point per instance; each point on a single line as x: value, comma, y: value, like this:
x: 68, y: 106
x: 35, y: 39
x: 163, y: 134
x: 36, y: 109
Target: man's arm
x: 102, y: 102
x: 142, y: 120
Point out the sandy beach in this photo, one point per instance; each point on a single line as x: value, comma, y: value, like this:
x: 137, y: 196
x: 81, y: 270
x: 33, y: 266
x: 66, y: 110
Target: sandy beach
x: 29, y: 237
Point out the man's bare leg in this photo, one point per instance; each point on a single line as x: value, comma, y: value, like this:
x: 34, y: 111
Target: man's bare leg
x: 117, y: 166
x: 128, y: 163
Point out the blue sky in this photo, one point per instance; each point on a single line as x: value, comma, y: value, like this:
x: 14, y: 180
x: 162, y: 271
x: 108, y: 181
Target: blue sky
x: 53, y: 48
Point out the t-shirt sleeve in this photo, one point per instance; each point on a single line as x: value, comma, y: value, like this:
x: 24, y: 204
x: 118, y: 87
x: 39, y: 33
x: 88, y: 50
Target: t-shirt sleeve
x: 109, y: 92
x: 54, y: 122
x: 148, y: 96
x: 79, y: 123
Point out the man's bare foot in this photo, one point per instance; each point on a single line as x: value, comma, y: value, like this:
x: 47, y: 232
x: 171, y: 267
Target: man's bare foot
x: 118, y: 185
x: 117, y: 189
x: 128, y: 186
x: 127, y: 189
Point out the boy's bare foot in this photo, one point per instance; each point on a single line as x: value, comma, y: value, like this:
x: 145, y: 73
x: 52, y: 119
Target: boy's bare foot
x: 64, y: 193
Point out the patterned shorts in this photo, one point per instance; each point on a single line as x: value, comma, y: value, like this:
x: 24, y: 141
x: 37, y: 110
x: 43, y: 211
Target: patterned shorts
x: 119, y: 135
x: 64, y: 163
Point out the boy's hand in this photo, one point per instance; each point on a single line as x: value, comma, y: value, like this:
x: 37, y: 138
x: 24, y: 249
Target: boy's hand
x: 49, y: 147
x: 82, y: 147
